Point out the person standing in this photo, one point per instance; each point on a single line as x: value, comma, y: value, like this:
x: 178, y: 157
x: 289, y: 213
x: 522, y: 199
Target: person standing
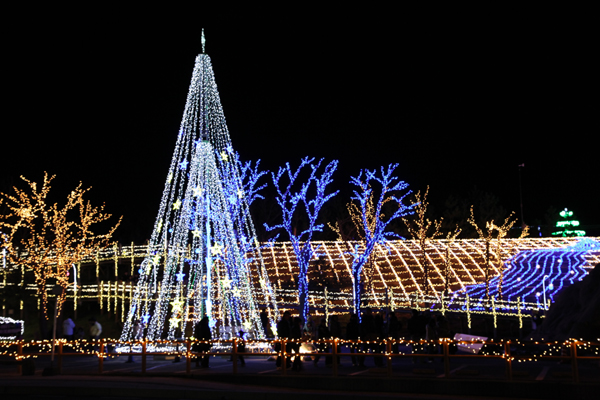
x: 137, y: 330
x: 241, y: 347
x: 393, y: 330
x: 284, y: 331
x: 68, y: 328
x: 431, y: 335
x: 95, y: 328
x: 264, y: 320
x: 417, y: 329
x: 368, y: 332
x: 353, y: 333
x: 335, y: 330
x: 323, y: 334
x: 296, y: 334
x: 203, y: 334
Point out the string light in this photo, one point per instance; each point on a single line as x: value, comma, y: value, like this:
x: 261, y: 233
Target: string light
x: 288, y: 200
x: 487, y: 235
x: 422, y: 229
x: 203, y: 233
x: 397, y: 262
x: 372, y: 222
x: 527, y: 272
x: 51, y: 241
x: 9, y: 322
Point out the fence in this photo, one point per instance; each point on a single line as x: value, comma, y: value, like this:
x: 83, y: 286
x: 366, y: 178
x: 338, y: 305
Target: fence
x: 387, y: 349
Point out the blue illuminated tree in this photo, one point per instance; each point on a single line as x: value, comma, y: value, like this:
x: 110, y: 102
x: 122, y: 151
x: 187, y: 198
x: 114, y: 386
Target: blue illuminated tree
x: 308, y: 199
x: 371, y: 219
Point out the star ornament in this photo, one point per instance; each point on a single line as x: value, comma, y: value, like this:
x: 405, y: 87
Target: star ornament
x: 224, y: 156
x: 183, y: 165
x: 177, y: 305
x: 197, y: 191
x: 180, y: 276
x: 177, y: 204
x: 216, y: 249
x: 226, y: 282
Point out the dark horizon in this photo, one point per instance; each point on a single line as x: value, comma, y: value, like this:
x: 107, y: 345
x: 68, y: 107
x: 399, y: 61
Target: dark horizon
x: 457, y: 106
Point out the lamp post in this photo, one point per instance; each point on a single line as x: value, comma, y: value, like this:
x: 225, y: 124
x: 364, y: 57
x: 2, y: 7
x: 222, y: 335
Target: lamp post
x: 544, y: 287
x: 550, y: 287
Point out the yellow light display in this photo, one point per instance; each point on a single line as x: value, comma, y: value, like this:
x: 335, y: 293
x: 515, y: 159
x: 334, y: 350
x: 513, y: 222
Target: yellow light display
x: 422, y: 229
x: 48, y: 239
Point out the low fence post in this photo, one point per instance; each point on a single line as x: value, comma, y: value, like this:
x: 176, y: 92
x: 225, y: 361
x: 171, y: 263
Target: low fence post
x: 574, y: 365
x: 334, y: 356
x: 446, y: 352
x: 283, y: 356
x: 144, y: 357
x: 60, y: 352
x: 188, y: 357
x: 101, y: 357
x: 508, y: 359
x: 388, y: 349
x: 234, y: 355
x: 20, y: 357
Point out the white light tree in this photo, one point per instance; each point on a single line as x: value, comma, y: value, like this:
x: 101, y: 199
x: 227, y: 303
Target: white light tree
x: 204, y: 256
x: 310, y: 200
x: 373, y: 221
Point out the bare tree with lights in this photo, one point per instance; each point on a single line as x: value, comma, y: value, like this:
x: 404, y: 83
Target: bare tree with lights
x: 422, y: 229
x: 450, y: 238
x: 47, y: 238
x: 488, y: 234
x: 310, y: 197
x: 373, y: 222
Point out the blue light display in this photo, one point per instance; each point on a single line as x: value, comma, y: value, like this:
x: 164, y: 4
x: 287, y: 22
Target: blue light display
x: 372, y: 223
x: 289, y: 198
x: 534, y: 276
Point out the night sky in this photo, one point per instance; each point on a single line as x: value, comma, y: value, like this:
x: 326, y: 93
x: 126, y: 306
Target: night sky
x: 457, y: 103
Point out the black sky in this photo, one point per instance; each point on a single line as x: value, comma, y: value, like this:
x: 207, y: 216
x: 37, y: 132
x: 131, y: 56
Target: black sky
x: 457, y: 102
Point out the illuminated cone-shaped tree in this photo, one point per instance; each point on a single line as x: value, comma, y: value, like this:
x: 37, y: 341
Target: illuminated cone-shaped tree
x: 203, y: 256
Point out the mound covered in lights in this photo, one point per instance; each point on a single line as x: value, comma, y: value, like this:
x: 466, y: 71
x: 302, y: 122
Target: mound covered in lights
x: 519, y: 272
x: 576, y: 312
x: 534, y: 276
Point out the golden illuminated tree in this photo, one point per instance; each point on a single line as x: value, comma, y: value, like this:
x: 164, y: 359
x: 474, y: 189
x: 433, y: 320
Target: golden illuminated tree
x: 47, y: 238
x: 422, y: 229
x: 488, y: 234
x: 450, y: 238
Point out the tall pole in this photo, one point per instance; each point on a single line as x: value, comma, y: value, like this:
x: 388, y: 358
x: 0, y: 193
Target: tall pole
x: 521, y: 197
